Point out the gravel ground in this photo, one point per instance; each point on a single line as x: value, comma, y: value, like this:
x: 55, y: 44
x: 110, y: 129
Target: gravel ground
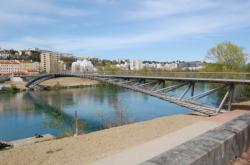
x: 97, y: 145
x: 68, y: 82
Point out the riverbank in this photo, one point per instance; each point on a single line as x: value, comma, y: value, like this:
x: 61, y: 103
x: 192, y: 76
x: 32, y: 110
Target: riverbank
x: 68, y: 82
x: 19, y: 85
x: 244, y: 105
x: 87, y: 148
x: 56, y: 83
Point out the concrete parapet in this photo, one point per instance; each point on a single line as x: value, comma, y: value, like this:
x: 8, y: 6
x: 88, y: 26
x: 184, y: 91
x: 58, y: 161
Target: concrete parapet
x: 215, y: 147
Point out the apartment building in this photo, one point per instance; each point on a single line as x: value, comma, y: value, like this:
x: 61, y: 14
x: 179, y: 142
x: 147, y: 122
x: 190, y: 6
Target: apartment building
x: 135, y: 65
x: 9, y: 67
x: 29, y: 67
x: 20, y: 67
x: 50, y: 62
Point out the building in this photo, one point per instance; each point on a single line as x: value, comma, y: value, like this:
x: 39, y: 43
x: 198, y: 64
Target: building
x: 8, y: 67
x: 61, y: 66
x: 50, y: 62
x: 82, y: 66
x: 4, y: 54
x: 193, y: 66
x: 28, y: 67
x: 25, y: 52
x: 171, y: 66
x: 135, y: 65
x: 16, y: 67
x: 124, y: 66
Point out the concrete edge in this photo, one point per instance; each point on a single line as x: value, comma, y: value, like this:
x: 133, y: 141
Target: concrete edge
x: 215, y: 147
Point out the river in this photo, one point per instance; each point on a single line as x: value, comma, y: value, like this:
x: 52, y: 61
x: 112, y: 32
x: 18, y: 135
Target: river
x: 26, y: 113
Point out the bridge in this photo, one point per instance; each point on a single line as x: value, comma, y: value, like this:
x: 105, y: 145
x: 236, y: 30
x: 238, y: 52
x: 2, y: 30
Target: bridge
x: 157, y: 86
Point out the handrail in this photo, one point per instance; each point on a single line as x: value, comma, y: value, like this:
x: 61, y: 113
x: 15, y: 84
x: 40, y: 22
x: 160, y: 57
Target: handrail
x: 217, y: 75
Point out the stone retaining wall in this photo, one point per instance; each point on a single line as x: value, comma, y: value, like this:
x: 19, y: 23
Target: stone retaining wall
x: 216, y: 147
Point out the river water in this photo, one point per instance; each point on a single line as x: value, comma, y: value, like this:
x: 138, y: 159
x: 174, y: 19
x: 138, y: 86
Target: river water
x: 26, y: 113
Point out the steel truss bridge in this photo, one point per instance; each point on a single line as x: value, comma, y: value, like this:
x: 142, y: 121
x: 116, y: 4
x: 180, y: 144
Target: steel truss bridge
x: 157, y: 86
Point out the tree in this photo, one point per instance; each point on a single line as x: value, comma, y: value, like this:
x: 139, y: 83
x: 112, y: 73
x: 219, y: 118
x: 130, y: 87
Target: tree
x: 68, y: 61
x: 227, y: 55
x: 35, y: 56
x: 144, y: 71
x: 110, y: 68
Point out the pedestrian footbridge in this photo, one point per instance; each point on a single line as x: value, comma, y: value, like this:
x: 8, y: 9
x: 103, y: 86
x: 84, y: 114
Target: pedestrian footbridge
x: 157, y: 86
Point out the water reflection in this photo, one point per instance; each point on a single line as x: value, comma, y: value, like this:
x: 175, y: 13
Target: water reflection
x: 24, y: 114
x: 213, y: 99
x: 56, y: 118
x: 63, y: 98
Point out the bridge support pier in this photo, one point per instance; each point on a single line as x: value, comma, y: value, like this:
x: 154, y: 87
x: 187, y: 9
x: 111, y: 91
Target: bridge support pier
x: 228, y: 96
x: 192, y: 88
x: 231, y: 95
x: 163, y: 84
x: 186, y: 91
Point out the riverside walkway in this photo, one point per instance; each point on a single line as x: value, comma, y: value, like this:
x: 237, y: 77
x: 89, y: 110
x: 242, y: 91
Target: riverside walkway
x: 142, y: 154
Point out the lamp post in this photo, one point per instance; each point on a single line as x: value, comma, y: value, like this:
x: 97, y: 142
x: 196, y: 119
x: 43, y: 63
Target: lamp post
x: 76, y: 125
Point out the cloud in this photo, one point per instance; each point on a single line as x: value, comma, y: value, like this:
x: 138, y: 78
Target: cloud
x: 178, y: 28
x: 147, y: 22
x: 152, y: 9
x: 9, y: 19
x: 36, y: 12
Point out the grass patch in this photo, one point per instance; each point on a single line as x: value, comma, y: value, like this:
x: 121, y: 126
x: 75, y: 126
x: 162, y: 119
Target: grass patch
x: 11, y: 90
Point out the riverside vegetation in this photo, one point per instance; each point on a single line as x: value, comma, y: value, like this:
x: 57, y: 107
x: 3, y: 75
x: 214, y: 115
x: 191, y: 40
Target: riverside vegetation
x: 12, y: 89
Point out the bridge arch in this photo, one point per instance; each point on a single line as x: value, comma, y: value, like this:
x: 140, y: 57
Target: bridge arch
x: 41, y: 78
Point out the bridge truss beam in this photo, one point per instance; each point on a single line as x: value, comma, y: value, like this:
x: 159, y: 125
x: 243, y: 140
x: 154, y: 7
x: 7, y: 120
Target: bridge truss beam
x: 157, y: 88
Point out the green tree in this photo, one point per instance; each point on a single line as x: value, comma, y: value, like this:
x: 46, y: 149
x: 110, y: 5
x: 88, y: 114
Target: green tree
x: 144, y: 71
x: 35, y: 56
x: 226, y: 56
x: 110, y: 68
x: 68, y: 61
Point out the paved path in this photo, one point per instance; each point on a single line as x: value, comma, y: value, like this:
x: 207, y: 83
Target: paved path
x: 157, y: 146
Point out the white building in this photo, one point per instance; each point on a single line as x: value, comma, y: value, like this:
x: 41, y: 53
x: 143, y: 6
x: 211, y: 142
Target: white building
x: 82, y: 66
x: 158, y: 66
x: 4, y: 54
x: 194, y: 68
x: 135, y: 65
x: 171, y: 66
x: 124, y: 66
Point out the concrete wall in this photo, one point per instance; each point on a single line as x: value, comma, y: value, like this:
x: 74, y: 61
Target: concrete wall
x: 215, y: 147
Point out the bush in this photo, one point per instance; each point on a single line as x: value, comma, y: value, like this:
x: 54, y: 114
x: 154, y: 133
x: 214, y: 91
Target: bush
x: 4, y: 145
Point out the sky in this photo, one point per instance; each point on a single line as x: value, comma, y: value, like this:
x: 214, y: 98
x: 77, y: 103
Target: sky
x: 162, y: 30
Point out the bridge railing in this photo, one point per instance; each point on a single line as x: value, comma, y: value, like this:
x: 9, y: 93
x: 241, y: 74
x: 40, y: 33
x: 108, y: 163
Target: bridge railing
x: 215, y: 75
